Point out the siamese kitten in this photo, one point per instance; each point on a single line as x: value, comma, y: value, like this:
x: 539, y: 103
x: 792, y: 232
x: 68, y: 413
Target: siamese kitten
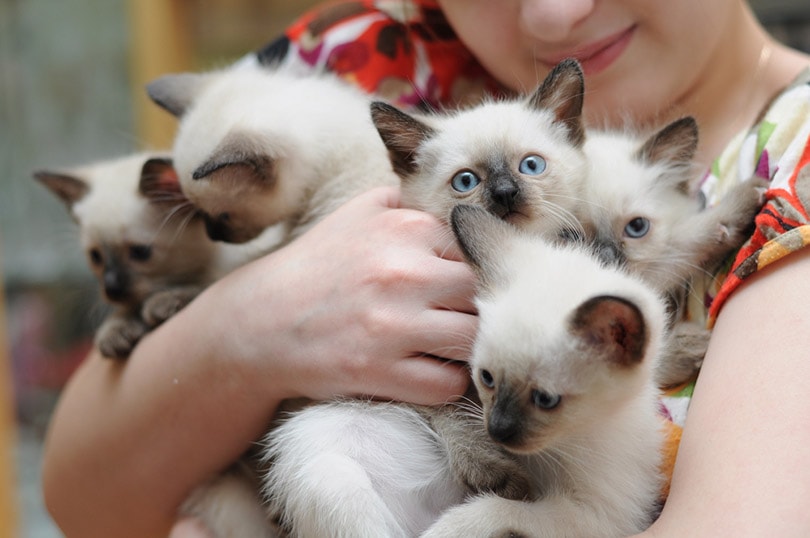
x: 563, y: 363
x: 142, y: 243
x: 642, y: 211
x: 259, y: 146
x: 521, y: 160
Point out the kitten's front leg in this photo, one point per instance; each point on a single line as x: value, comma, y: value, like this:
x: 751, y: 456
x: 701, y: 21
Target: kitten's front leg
x: 557, y: 516
x: 162, y: 305
x: 479, y: 463
x: 118, y: 335
x: 731, y: 220
x: 683, y: 355
x: 486, y: 516
x: 229, y: 506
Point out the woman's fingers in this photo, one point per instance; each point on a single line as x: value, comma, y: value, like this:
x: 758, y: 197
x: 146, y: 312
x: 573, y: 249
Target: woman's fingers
x: 424, y: 381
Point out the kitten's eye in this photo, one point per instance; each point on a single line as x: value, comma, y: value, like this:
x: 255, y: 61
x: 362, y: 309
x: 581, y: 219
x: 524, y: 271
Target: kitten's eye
x: 543, y: 400
x: 465, y: 181
x: 487, y: 379
x: 95, y: 256
x: 533, y: 165
x: 638, y: 227
x: 570, y: 235
x: 140, y: 253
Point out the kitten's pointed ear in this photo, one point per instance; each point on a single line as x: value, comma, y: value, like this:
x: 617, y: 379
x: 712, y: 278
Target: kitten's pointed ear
x: 675, y: 143
x: 401, y: 133
x: 613, y: 328
x: 483, y: 237
x: 675, y: 146
x: 240, y: 155
x: 67, y: 188
x: 563, y: 92
x: 159, y: 182
x: 176, y: 92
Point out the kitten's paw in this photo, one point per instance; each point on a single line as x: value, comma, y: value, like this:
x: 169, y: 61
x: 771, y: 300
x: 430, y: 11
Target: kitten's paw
x: 162, y: 305
x: 117, y: 337
x: 474, y: 519
x: 230, y: 505
x: 495, y: 472
x: 683, y: 356
x: 480, y: 464
x: 739, y: 207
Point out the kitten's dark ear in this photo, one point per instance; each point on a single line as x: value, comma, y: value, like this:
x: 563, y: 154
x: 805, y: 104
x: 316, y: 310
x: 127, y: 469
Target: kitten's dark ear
x: 613, y: 328
x: 176, y: 92
x: 402, y: 135
x: 483, y: 237
x: 674, y: 145
x: 67, y: 188
x: 563, y: 93
x: 240, y: 155
x: 159, y: 182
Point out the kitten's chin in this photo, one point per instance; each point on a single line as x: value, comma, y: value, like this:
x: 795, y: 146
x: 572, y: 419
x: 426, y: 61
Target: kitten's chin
x: 516, y: 219
x: 525, y: 444
x: 525, y: 448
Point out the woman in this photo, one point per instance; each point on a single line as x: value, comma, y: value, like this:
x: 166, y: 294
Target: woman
x: 331, y: 314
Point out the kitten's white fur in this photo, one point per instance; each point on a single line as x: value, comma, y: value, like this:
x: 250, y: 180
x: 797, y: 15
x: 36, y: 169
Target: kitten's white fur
x: 356, y: 469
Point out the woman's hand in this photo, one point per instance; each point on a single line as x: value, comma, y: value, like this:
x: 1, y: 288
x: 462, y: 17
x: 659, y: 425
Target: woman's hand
x: 359, y: 305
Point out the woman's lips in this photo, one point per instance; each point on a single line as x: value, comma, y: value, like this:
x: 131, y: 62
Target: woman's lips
x: 597, y: 56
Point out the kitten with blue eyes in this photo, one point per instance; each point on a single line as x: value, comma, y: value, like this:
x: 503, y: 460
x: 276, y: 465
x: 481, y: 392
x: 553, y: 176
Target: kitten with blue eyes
x: 147, y: 251
x: 523, y: 161
x: 563, y: 363
x: 644, y: 213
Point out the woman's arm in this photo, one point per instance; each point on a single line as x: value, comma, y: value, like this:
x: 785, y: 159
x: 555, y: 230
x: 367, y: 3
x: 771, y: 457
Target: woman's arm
x: 743, y: 468
x: 349, y: 308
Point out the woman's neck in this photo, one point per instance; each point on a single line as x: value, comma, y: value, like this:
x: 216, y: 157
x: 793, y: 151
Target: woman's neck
x: 743, y: 75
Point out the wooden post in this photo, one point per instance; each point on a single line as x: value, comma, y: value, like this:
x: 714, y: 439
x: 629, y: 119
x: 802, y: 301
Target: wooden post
x: 9, y: 520
x: 160, y: 44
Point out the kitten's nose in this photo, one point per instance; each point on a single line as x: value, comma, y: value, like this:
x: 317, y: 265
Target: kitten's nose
x: 116, y: 285
x: 216, y: 230
x: 505, y: 424
x: 504, y: 193
x: 609, y: 253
